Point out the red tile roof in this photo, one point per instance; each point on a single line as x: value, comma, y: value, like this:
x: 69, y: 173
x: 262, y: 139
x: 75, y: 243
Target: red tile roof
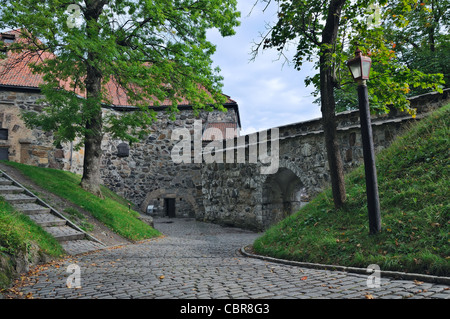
x: 218, y: 131
x: 15, y: 72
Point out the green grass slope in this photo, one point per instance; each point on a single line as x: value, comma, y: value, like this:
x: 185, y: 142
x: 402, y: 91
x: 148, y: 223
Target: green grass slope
x: 112, y: 210
x: 20, y: 236
x: 414, y: 184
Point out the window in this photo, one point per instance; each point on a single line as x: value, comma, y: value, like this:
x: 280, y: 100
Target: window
x: 3, y: 134
x: 4, y: 156
x: 8, y: 38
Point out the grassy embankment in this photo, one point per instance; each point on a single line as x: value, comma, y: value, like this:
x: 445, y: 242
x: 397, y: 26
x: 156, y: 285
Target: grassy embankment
x: 18, y: 232
x: 414, y: 189
x: 112, y: 210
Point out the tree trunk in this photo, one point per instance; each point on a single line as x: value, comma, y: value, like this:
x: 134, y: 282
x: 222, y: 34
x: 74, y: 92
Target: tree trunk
x: 328, y: 104
x: 92, y: 155
x: 93, y: 137
x: 91, y: 166
x: 91, y: 179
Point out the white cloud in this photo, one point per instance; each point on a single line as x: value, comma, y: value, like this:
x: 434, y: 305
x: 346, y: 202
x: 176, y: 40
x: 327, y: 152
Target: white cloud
x: 268, y: 93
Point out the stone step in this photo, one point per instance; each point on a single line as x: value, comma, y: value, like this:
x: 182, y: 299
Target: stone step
x: 72, y: 240
x: 47, y: 220
x: 64, y: 233
x: 5, y: 181
x: 75, y: 247
x: 18, y: 198
x: 10, y: 189
x: 31, y: 208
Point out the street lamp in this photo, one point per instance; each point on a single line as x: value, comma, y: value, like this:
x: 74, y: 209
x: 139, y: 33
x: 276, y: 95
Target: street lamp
x: 360, y: 69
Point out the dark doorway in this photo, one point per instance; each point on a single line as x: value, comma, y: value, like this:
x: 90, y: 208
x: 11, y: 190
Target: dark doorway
x: 4, y: 154
x: 3, y: 134
x: 281, y: 196
x: 169, y: 203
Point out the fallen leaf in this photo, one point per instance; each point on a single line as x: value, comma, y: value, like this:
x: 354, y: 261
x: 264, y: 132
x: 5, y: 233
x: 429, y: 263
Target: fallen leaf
x: 161, y: 277
x: 304, y: 278
x: 418, y: 282
x: 369, y: 296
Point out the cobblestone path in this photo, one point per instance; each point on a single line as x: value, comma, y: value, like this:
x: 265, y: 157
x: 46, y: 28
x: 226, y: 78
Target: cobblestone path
x: 199, y: 260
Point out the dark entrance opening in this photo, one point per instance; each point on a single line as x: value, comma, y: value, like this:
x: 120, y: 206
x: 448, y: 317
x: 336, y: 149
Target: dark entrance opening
x: 4, y: 156
x: 3, y: 134
x: 169, y: 203
x: 281, y: 197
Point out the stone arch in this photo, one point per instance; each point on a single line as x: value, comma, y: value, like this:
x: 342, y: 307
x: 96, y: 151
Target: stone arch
x: 281, y: 195
x: 185, y: 202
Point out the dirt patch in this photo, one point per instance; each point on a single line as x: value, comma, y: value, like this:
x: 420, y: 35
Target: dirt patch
x: 99, y: 231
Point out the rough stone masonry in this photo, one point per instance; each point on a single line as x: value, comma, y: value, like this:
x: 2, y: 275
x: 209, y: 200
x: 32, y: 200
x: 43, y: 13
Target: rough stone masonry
x: 226, y: 193
x: 239, y: 195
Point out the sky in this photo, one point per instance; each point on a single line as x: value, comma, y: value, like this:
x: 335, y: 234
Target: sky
x: 269, y: 94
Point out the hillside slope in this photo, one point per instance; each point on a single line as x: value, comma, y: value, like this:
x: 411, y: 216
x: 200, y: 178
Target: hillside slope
x: 112, y: 210
x: 24, y: 243
x: 414, y: 184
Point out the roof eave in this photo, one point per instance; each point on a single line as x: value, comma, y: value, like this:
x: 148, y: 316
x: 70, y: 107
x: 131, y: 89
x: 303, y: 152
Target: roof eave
x: 17, y: 88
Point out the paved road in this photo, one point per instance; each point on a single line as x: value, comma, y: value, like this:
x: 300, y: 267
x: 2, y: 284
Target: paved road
x: 199, y: 260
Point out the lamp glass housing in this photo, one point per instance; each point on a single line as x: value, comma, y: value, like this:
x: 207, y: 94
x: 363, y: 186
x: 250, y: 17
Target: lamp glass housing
x: 360, y: 66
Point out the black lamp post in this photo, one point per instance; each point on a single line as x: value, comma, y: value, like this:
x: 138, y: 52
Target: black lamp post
x: 360, y: 69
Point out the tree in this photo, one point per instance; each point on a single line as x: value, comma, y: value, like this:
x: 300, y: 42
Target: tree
x: 420, y: 36
x: 407, y: 61
x: 314, y: 25
x: 151, y: 51
x: 326, y: 31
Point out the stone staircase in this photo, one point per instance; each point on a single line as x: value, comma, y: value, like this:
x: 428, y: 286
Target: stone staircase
x: 73, y: 239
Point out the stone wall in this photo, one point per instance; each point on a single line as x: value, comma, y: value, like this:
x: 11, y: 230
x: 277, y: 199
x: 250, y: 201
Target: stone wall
x: 227, y: 193
x: 32, y: 146
x: 237, y: 194
x: 148, y: 175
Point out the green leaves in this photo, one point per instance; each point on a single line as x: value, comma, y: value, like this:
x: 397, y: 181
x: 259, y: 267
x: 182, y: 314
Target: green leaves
x: 151, y: 52
x: 401, y: 66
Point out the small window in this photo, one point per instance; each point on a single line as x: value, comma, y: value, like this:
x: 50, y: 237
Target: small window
x: 3, y: 134
x: 8, y: 38
x: 4, y: 155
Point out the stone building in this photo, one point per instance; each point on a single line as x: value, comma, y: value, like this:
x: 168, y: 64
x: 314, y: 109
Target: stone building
x: 150, y: 178
x: 144, y: 173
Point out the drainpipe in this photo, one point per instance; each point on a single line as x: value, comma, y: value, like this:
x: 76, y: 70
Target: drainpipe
x: 71, y: 152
